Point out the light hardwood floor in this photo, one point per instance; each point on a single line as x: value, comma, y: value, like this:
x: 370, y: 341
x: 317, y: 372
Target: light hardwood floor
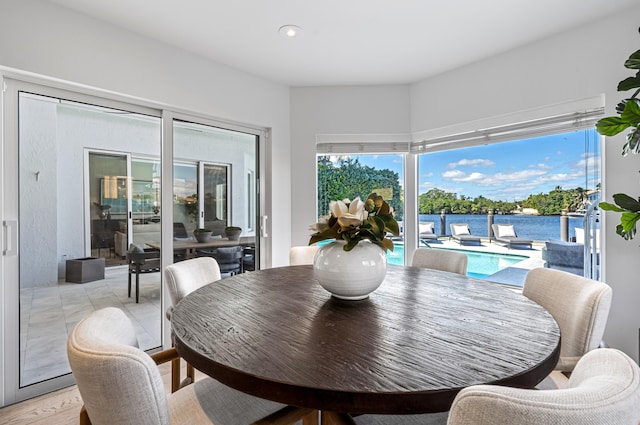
x: 61, y: 407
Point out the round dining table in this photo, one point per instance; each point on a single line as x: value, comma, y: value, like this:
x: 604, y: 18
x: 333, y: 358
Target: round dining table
x: 408, y: 348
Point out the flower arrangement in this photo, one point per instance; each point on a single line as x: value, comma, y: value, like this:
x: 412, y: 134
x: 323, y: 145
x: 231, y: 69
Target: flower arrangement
x: 354, y: 221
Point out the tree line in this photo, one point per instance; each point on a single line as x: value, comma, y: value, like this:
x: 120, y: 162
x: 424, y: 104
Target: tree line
x: 551, y: 203
x: 348, y: 178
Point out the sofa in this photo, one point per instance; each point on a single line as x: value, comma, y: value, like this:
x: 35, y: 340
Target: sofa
x: 566, y: 256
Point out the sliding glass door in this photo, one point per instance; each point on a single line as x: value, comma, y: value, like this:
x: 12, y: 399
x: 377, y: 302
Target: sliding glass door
x: 215, y: 182
x: 82, y: 179
x: 76, y: 189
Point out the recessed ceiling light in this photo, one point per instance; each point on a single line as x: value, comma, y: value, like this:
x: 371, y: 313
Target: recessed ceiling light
x: 290, y: 31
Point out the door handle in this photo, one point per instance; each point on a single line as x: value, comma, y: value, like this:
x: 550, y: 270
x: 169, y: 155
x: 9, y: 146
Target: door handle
x: 263, y: 226
x: 10, y: 238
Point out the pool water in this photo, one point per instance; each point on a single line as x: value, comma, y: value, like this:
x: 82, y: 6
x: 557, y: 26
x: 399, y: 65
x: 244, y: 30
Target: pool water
x: 480, y: 265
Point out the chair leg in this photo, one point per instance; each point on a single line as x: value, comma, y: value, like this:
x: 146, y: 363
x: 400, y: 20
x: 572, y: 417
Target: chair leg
x: 311, y: 418
x: 137, y: 288
x: 84, y: 416
x: 129, y: 281
x: 175, y: 375
x: 191, y: 373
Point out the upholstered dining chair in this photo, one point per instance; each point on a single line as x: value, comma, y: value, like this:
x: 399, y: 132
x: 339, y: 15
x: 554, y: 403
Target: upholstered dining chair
x: 183, y: 278
x: 121, y: 384
x: 141, y: 261
x: 440, y: 259
x: 229, y: 258
x: 581, y: 308
x: 301, y: 255
x: 603, y: 389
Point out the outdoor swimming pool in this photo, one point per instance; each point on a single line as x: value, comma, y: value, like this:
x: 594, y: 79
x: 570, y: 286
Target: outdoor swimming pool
x: 481, y: 264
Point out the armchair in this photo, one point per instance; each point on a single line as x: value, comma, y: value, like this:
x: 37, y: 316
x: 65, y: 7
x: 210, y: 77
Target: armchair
x: 120, y: 384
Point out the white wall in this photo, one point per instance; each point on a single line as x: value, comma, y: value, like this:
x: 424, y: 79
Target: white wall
x: 43, y: 38
x: 581, y: 63
x: 335, y: 110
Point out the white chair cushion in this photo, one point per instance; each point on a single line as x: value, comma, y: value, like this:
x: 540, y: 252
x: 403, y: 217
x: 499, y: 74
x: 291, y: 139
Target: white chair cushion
x: 210, y: 402
x: 505, y: 230
x: 425, y: 227
x: 460, y: 229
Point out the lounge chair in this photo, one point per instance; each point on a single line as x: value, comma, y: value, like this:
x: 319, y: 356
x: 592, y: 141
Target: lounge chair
x: 461, y: 233
x: 505, y: 233
x: 426, y: 230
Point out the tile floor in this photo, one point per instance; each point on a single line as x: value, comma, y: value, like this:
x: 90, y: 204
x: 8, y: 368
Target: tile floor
x: 47, y: 314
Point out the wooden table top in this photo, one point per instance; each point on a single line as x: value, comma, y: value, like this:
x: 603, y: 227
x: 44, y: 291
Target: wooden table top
x: 408, y: 348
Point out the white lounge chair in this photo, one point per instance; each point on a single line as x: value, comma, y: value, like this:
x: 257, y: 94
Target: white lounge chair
x: 505, y: 233
x: 461, y: 233
x: 426, y: 230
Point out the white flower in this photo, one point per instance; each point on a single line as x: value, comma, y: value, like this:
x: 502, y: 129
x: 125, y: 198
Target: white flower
x: 348, y: 220
x: 355, y: 208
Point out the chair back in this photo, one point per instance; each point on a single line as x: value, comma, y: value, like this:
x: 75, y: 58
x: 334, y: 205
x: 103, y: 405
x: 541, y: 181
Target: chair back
x: 229, y: 258
x: 301, y: 255
x: 579, y: 305
x: 186, y: 276
x: 118, y: 382
x: 604, y: 389
x: 440, y: 259
x: 179, y: 231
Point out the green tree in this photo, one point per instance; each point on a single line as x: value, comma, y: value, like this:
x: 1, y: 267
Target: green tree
x: 348, y: 178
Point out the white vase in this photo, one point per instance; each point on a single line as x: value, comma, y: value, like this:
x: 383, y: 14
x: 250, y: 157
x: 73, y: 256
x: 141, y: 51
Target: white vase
x: 350, y: 275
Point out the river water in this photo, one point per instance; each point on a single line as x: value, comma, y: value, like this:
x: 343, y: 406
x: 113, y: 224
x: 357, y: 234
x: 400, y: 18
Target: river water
x: 538, y: 228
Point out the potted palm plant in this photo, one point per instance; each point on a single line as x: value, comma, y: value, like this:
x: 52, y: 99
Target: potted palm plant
x: 628, y: 118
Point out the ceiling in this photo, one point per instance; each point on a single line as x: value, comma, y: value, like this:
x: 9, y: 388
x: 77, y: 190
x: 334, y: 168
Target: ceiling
x: 347, y: 42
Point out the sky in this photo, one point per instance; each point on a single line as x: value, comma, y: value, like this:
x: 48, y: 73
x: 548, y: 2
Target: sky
x: 507, y: 171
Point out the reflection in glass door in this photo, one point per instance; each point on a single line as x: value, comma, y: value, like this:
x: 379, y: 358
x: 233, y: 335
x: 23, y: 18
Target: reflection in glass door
x: 214, y: 187
x: 108, y: 199
x: 75, y: 198
x: 211, y: 188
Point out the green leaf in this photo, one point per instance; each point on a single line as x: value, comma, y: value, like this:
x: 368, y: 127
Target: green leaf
x: 330, y: 233
x: 610, y: 126
x: 631, y: 113
x: 628, y: 222
x: 610, y: 207
x: 634, y: 60
x: 387, y: 244
x: 351, y: 243
x: 627, y: 202
x: 377, y: 227
x: 633, y: 143
x: 629, y: 83
x: 390, y: 224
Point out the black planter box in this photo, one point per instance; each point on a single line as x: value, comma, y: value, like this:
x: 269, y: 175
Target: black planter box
x: 83, y: 270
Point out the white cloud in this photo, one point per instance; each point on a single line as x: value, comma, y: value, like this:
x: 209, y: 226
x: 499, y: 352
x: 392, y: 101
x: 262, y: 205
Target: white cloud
x: 472, y: 163
x: 454, y: 174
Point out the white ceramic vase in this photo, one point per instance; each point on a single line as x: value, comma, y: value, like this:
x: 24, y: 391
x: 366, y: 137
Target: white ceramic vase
x: 350, y: 275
